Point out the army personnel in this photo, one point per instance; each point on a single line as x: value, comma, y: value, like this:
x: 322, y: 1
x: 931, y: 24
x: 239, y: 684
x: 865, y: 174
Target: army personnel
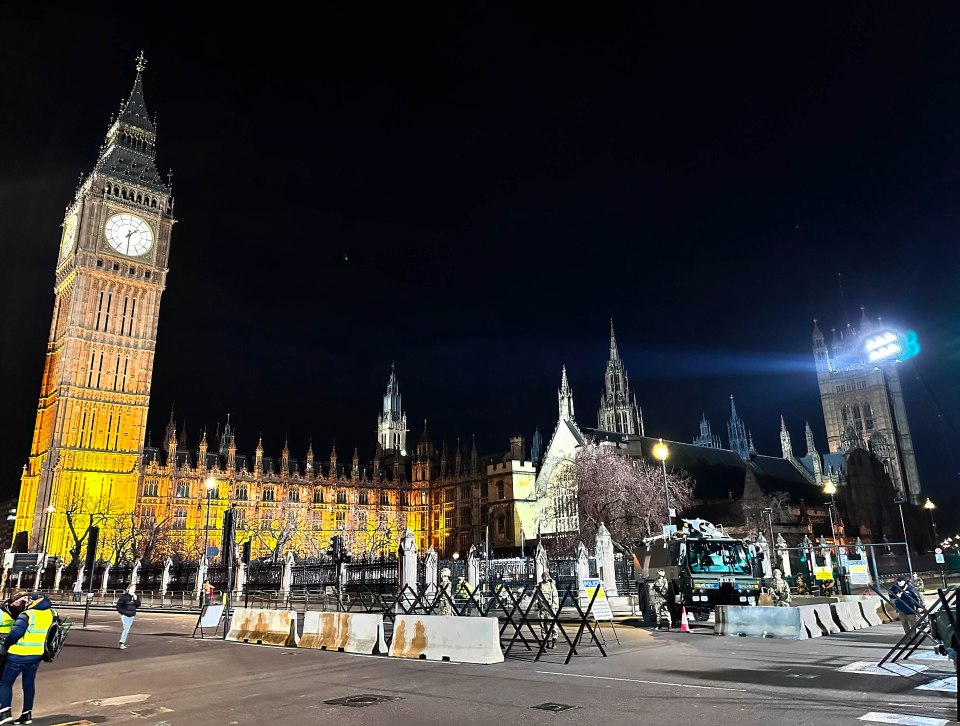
x: 661, y: 599
x: 826, y: 588
x: 801, y: 585
x: 779, y: 591
x: 918, y: 582
x: 445, y: 594
x: 547, y: 607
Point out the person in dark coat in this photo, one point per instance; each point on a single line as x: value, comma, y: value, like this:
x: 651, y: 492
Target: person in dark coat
x: 127, y: 605
x: 908, y: 602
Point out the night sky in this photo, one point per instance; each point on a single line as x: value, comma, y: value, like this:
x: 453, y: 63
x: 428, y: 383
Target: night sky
x: 472, y: 195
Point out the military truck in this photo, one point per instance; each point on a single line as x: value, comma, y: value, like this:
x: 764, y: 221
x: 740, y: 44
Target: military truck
x: 705, y: 567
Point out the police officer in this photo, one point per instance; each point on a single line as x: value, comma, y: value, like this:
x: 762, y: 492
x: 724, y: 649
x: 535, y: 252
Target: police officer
x: 24, y: 647
x: 661, y: 599
x: 551, y: 598
x: 779, y: 591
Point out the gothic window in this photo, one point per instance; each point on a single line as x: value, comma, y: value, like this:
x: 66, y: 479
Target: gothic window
x: 293, y: 494
x: 464, y: 491
x: 317, y: 523
x: 180, y: 519
x: 183, y: 490
x: 318, y: 496
x: 363, y: 498
x: 242, y: 493
x: 384, y: 497
x: 464, y: 516
x: 485, y: 489
x: 268, y: 494
x: 867, y: 417
x: 501, y: 524
x: 448, y: 493
x: 844, y: 415
x: 500, y: 492
x: 341, y: 496
x: 150, y: 489
x: 465, y: 541
x: 341, y: 518
x: 857, y: 422
x: 404, y: 499
x: 240, y: 517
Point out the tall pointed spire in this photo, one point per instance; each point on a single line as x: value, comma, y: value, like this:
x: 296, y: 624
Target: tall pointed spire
x: 786, y: 446
x: 614, y: 353
x: 737, y: 433
x: 565, y: 396
x: 618, y: 408
x: 392, y: 421
x: 134, y: 111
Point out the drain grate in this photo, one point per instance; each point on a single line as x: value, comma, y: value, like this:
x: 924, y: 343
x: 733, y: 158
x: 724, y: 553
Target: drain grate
x: 361, y: 700
x: 554, y: 707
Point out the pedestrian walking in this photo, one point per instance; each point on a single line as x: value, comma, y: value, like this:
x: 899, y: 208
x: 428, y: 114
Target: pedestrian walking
x: 908, y: 602
x: 127, y: 605
x: 24, y: 647
x: 77, y: 590
x: 207, y: 593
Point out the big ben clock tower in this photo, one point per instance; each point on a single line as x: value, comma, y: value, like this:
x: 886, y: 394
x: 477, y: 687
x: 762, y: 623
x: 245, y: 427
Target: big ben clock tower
x: 111, y: 271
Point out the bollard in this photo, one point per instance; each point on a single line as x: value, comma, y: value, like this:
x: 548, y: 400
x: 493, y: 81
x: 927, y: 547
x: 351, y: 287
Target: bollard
x: 86, y: 609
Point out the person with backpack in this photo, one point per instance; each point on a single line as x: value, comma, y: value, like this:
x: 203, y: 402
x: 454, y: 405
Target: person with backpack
x: 25, y: 648
x: 127, y: 605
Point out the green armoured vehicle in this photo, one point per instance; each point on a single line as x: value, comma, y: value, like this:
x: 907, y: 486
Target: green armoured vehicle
x: 705, y: 567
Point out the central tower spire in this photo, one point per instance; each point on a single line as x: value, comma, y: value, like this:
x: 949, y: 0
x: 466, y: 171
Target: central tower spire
x: 618, y: 408
x: 392, y: 421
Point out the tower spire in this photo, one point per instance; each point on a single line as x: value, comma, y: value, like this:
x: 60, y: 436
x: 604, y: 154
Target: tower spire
x: 618, y: 408
x: 614, y: 353
x: 565, y: 396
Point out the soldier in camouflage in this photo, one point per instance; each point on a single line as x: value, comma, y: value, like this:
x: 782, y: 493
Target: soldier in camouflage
x: 548, y: 588
x: 801, y: 585
x: 779, y: 591
x: 445, y: 593
x: 661, y: 599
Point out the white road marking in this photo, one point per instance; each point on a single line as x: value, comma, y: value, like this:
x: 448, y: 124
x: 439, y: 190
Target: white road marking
x: 637, y: 680
x: 881, y: 717
x: 116, y: 700
x: 888, y: 669
x: 941, y: 684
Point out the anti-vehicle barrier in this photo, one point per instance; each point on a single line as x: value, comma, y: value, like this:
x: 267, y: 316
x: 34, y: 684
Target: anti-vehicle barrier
x: 825, y: 618
x: 848, y: 615
x: 439, y: 637
x: 869, y: 607
x: 808, y: 616
x: 264, y: 627
x: 346, y: 632
x: 762, y: 622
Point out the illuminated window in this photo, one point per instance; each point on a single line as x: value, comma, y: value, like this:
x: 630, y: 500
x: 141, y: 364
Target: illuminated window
x: 240, y: 517
x: 384, y: 497
x: 341, y: 497
x: 179, y: 519
x: 242, y: 493
x: 341, y: 517
x: 183, y: 490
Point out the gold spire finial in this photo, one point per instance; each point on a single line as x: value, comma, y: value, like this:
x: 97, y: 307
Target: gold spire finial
x: 141, y: 62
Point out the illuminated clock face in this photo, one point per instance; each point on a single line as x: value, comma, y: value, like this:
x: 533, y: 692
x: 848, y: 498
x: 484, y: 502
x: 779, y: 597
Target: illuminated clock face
x: 129, y: 235
x: 70, y: 230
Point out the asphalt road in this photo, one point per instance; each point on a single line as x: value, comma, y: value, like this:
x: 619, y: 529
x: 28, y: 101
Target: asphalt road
x: 167, y: 677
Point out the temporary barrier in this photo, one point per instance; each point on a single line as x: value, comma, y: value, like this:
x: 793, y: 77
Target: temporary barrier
x: 848, y: 615
x: 719, y: 621
x: 825, y: 618
x: 808, y: 616
x: 347, y: 632
x: 765, y: 622
x: 439, y: 637
x: 264, y: 627
x: 868, y: 608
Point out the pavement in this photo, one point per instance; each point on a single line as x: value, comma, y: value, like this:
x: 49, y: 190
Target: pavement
x: 167, y: 677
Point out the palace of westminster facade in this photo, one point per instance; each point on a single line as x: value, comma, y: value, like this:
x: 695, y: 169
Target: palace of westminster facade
x: 88, y: 463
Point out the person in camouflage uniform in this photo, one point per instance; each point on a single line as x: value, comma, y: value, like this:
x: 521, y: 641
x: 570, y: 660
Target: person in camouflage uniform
x: 444, y: 594
x: 801, y: 585
x: 918, y: 582
x: 548, y: 588
x: 826, y: 588
x: 661, y: 599
x: 779, y: 591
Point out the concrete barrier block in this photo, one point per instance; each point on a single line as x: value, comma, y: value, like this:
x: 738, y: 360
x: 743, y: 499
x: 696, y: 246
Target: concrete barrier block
x: 347, y: 632
x: 767, y: 622
x: 868, y: 608
x: 808, y: 616
x: 848, y: 615
x: 439, y: 637
x: 826, y: 619
x: 264, y: 627
x: 720, y: 620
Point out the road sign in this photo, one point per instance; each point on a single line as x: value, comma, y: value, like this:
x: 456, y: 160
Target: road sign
x: 940, y: 558
x: 213, y: 551
x: 938, y: 551
x: 601, y: 606
x: 669, y: 529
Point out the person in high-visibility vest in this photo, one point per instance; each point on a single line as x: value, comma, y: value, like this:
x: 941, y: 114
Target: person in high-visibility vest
x: 9, y: 612
x: 24, y: 648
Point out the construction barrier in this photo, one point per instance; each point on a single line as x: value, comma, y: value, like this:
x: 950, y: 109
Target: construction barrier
x: 762, y: 622
x: 346, y: 632
x: 264, y: 627
x: 868, y: 608
x: 438, y: 637
x: 825, y: 618
x: 808, y: 616
x: 848, y: 615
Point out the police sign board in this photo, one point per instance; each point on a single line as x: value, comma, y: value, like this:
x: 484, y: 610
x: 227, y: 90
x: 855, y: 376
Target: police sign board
x: 940, y: 559
x: 601, y: 606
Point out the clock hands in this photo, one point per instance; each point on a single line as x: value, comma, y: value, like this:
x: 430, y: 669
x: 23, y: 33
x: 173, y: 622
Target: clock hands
x: 132, y: 231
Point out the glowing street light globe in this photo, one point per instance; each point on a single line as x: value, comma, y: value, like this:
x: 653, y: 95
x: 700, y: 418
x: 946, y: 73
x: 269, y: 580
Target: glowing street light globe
x: 211, y: 484
x: 660, y: 451
x: 928, y: 505
x: 829, y: 488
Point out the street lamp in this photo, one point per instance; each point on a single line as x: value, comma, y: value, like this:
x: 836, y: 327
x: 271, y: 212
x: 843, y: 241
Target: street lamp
x: 211, y: 485
x: 900, y: 501
x: 661, y: 452
x: 930, y: 506
x: 831, y: 489
x: 456, y: 566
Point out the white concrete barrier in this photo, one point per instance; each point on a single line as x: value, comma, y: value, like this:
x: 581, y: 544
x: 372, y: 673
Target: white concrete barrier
x: 808, y: 616
x: 719, y: 621
x: 826, y: 619
x: 848, y: 615
x: 264, y: 627
x: 346, y: 632
x: 439, y: 637
x: 766, y: 622
x: 868, y: 608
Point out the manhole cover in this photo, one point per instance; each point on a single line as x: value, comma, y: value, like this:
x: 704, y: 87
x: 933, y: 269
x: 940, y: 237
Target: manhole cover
x: 361, y: 700
x: 555, y: 707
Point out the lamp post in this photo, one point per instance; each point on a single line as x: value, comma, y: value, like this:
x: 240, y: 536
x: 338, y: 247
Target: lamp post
x: 930, y: 506
x: 456, y: 568
x: 211, y: 485
x: 831, y: 489
x: 661, y: 452
x: 900, y: 501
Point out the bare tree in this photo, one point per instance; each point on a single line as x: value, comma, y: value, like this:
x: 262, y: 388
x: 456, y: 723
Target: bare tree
x: 275, y: 528
x: 84, y: 512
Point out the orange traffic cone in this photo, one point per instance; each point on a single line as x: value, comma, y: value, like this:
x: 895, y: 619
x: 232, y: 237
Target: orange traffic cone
x: 684, y: 628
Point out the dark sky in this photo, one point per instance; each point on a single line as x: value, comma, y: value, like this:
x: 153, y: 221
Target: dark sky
x: 473, y: 194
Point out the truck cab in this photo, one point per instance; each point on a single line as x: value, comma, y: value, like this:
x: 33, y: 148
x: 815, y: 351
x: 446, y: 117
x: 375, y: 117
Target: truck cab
x: 705, y: 567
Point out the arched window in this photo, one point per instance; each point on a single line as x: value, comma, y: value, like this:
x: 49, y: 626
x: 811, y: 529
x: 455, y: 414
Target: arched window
x: 268, y: 495
x: 867, y: 417
x: 150, y: 489
x: 293, y: 494
x: 180, y: 519
x: 363, y: 498
x: 242, y: 493
x: 384, y: 497
x: 341, y: 496
x: 500, y: 492
x: 318, y: 496
x: 183, y: 490
x: 857, y: 422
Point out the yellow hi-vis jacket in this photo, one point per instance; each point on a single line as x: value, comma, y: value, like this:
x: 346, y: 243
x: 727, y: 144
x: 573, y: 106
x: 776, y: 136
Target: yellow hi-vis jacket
x: 6, y: 622
x: 36, y: 634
